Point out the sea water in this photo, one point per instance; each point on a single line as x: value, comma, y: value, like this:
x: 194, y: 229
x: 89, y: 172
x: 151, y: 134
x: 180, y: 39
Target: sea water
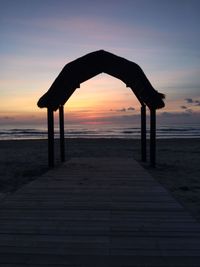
x: 99, y: 131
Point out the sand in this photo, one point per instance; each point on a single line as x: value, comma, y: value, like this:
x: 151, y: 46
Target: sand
x: 178, y: 163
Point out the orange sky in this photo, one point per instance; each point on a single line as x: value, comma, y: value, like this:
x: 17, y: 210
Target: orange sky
x: 100, y: 100
x: 100, y: 97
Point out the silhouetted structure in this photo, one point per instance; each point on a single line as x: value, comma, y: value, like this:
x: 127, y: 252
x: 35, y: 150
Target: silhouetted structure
x: 88, y: 66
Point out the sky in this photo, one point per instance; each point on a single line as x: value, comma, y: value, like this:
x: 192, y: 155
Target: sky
x: 39, y: 37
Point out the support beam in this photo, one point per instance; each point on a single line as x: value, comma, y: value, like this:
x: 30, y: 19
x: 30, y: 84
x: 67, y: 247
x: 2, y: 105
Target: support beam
x: 153, y: 137
x: 143, y: 134
x: 50, y: 121
x: 62, y: 133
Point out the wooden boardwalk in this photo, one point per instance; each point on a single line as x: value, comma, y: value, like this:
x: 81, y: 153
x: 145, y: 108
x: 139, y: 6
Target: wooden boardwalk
x: 96, y: 212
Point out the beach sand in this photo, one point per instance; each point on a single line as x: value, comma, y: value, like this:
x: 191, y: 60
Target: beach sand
x: 178, y: 163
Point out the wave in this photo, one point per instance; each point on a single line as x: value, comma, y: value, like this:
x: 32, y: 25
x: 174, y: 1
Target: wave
x: 103, y: 132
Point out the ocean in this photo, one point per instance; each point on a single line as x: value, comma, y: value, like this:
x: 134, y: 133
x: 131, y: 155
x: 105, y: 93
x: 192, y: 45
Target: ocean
x: 99, y: 131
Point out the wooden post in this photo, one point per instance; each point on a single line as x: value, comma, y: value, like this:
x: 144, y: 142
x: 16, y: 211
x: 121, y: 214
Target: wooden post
x: 153, y: 137
x: 143, y: 133
x: 50, y: 120
x: 62, y: 133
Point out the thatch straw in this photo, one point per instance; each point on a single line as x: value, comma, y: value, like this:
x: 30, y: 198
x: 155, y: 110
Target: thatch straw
x: 92, y: 64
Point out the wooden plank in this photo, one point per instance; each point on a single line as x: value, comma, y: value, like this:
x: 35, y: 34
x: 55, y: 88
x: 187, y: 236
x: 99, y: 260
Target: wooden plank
x: 94, y: 207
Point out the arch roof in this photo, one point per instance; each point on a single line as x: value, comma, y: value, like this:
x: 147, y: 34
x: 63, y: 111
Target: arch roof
x: 92, y: 64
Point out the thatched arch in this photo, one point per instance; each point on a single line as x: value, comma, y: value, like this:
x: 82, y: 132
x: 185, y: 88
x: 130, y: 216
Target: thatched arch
x: 88, y: 66
x: 92, y: 64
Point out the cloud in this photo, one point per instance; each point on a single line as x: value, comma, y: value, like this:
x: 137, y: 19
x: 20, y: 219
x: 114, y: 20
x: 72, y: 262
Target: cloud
x: 189, y: 110
x: 186, y: 116
x: 183, y: 107
x: 193, y: 102
x: 7, y: 118
x: 189, y: 100
x: 197, y: 102
x: 123, y: 109
x: 119, y: 110
x: 131, y: 108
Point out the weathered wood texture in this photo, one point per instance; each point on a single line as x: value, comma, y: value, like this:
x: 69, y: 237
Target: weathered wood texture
x: 96, y: 212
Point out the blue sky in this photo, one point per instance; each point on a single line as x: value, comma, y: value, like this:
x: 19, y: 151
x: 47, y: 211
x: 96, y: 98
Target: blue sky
x: 39, y: 37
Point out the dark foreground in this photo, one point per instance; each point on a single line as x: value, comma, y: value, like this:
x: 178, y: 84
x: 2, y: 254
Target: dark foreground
x: 102, y: 212
x: 177, y: 169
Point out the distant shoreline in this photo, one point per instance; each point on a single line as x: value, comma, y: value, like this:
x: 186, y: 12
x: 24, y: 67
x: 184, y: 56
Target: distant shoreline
x: 177, y: 169
x: 103, y: 138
